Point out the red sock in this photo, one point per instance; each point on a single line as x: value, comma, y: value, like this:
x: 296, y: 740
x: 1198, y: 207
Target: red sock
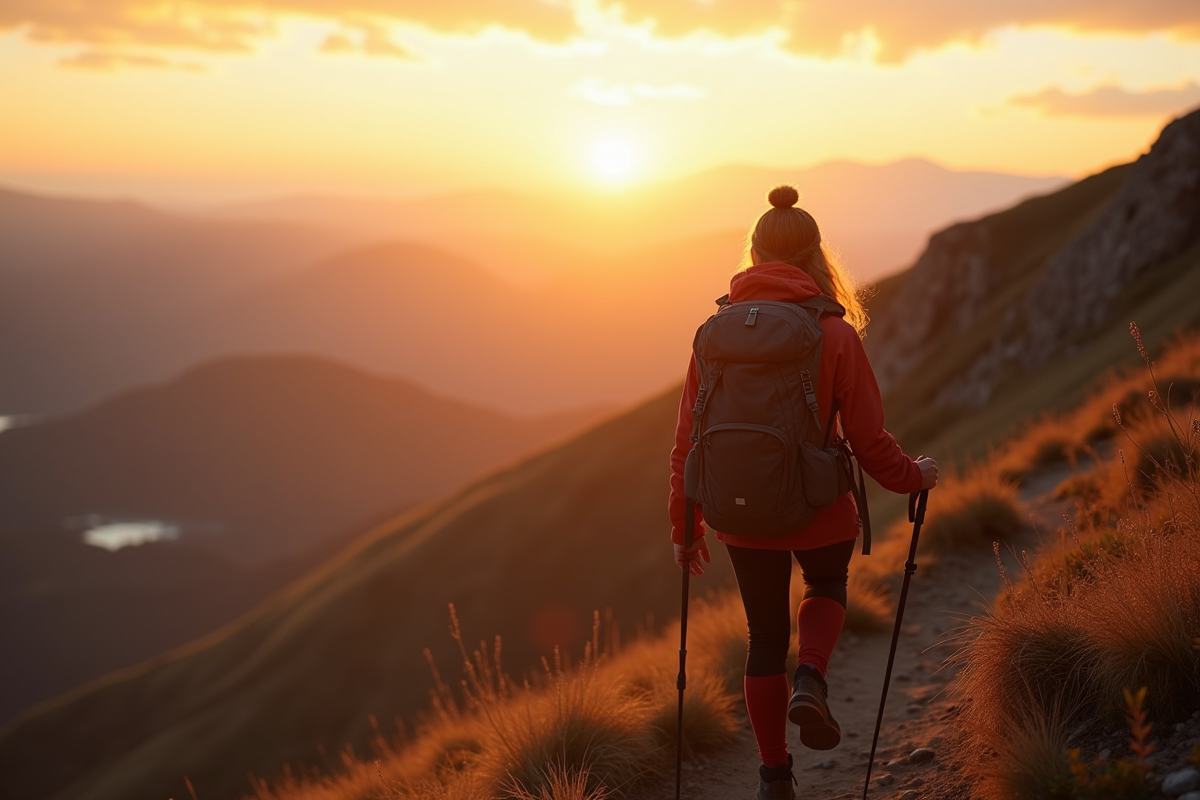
x: 766, y: 701
x: 820, y: 622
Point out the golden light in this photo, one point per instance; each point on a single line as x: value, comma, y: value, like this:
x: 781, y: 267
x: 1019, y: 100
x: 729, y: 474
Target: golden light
x: 614, y: 160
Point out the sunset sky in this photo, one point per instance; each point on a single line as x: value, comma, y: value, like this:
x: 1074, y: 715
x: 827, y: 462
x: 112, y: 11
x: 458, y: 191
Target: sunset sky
x: 227, y: 98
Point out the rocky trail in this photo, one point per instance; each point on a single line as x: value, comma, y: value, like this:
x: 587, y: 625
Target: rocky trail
x: 916, y: 736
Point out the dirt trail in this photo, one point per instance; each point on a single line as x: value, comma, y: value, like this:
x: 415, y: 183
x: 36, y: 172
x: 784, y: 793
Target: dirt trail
x: 919, y: 707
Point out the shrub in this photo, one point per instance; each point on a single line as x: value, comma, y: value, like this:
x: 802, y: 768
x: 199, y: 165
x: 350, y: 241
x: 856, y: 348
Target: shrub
x: 1048, y: 440
x: 583, y: 723
x: 1120, y: 607
x: 969, y: 511
x: 869, y: 606
x: 717, y: 638
x: 565, y: 784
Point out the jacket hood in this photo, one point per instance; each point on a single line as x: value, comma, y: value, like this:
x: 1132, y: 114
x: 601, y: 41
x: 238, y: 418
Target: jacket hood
x: 773, y: 280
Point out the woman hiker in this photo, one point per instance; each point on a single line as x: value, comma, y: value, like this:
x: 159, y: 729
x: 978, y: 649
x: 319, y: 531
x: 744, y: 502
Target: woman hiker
x: 790, y: 264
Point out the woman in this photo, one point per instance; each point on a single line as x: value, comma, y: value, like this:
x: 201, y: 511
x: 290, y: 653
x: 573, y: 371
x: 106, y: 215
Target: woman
x: 790, y: 264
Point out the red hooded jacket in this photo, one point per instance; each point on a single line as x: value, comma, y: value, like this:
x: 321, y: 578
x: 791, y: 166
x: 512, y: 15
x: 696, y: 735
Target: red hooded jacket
x: 846, y: 377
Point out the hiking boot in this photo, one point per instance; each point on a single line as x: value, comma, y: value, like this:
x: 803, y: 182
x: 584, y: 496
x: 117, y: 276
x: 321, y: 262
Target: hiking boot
x: 809, y: 708
x: 775, y: 783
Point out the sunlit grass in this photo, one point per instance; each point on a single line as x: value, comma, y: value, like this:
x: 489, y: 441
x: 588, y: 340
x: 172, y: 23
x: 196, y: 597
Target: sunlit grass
x: 1112, y: 601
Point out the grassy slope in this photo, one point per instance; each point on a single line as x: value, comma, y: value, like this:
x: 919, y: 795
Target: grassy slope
x: 577, y: 528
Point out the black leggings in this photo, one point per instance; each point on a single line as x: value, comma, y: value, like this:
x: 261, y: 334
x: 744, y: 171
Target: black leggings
x: 764, y: 580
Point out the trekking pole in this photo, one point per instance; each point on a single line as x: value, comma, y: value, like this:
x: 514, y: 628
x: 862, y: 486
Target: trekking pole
x: 689, y: 526
x: 916, y: 515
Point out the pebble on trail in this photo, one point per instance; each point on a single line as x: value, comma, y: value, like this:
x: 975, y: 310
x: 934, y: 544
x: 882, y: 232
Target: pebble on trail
x: 922, y: 755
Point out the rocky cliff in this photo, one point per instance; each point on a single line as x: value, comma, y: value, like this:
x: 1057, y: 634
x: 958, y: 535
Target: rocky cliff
x: 1013, y: 290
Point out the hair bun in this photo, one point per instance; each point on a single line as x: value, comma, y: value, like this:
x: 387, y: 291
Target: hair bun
x: 783, y: 196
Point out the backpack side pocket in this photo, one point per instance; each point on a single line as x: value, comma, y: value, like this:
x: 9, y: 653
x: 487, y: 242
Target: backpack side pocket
x: 823, y: 474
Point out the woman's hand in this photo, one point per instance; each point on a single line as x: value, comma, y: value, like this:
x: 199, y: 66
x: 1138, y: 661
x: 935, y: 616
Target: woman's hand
x: 929, y: 472
x: 693, y: 557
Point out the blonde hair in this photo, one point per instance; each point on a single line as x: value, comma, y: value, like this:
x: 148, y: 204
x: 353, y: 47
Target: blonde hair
x: 788, y: 234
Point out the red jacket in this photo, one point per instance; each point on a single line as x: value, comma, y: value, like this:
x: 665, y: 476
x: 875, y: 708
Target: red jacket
x: 845, y: 376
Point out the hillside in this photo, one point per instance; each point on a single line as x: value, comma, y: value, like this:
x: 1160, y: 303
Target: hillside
x: 259, y: 458
x: 71, y: 612
x: 265, y: 466
x: 527, y: 553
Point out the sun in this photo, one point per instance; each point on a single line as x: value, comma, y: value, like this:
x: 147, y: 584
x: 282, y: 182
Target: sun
x: 614, y: 160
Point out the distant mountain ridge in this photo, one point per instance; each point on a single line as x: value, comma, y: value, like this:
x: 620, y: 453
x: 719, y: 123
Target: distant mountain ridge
x: 93, y: 293
x: 96, y: 297
x: 878, y: 215
x: 275, y: 453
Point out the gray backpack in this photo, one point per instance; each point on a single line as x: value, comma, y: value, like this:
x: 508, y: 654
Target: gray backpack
x: 761, y: 463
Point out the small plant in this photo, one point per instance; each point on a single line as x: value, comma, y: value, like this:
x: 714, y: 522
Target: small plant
x: 1123, y: 779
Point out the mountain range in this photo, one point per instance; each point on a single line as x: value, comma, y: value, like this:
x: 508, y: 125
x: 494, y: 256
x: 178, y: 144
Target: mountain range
x: 265, y: 466
x: 98, y: 297
x: 529, y: 551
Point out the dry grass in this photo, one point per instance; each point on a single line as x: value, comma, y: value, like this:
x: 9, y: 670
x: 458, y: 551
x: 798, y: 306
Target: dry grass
x: 972, y: 511
x: 967, y: 511
x: 1046, y: 441
x: 1075, y: 435
x: 1064, y: 653
x: 578, y: 732
x: 582, y: 723
x: 566, y: 784
x: 1113, y: 603
x: 869, y: 606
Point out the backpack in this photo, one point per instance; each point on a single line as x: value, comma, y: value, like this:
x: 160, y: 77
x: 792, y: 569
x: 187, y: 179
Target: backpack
x: 761, y: 463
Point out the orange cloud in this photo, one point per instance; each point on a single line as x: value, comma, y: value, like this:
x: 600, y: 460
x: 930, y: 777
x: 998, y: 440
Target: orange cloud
x: 236, y: 25
x: 1110, y: 101
x: 901, y: 28
x: 101, y: 61
x: 371, y: 41
x: 896, y: 29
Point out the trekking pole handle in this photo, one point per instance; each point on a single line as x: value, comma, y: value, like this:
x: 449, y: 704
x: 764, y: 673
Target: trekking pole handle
x: 916, y: 515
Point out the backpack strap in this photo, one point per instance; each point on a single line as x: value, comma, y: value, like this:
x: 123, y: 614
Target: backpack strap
x: 823, y: 305
x: 858, y: 484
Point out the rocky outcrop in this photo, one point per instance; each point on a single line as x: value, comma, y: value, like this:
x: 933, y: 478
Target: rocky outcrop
x: 948, y: 285
x: 1154, y: 216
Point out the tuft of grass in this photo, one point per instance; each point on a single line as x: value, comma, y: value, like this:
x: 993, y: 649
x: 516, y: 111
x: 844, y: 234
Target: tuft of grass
x: 710, y: 713
x: 1115, y: 602
x: 717, y: 639
x: 868, y: 605
x: 583, y: 723
x: 1046, y: 441
x: 565, y: 783
x: 1030, y: 761
x: 969, y: 511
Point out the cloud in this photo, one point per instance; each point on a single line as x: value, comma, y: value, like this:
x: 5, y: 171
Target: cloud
x: 102, y: 61
x: 371, y: 41
x: 238, y: 25
x: 894, y: 29
x: 596, y: 90
x: 1110, y: 101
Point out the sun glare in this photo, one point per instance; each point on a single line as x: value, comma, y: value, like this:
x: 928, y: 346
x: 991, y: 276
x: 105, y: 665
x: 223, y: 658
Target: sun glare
x: 614, y: 161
